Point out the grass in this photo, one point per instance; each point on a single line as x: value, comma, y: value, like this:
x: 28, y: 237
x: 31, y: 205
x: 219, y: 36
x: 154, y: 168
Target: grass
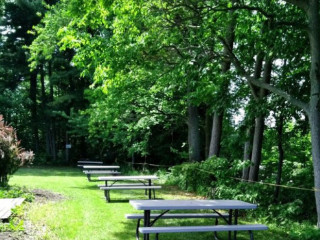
x: 84, y: 213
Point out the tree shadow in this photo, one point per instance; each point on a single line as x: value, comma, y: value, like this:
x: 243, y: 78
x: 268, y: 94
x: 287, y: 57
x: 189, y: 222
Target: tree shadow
x: 50, y: 171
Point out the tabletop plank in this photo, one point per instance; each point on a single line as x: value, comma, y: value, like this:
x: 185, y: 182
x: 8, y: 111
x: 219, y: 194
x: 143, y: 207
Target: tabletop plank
x: 100, y: 167
x: 115, y: 178
x: 190, y: 204
x: 7, y: 204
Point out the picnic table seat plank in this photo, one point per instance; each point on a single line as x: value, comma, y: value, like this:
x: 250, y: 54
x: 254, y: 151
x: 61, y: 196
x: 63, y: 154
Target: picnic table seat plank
x: 139, y: 217
x: 130, y: 187
x: 215, y: 228
x: 178, y: 215
x: 124, y: 184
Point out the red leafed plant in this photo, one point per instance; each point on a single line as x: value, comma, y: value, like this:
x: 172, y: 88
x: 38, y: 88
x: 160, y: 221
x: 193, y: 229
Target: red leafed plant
x: 12, y: 156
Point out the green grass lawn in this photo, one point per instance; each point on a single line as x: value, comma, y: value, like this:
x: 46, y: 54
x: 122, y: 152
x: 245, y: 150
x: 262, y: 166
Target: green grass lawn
x: 84, y: 213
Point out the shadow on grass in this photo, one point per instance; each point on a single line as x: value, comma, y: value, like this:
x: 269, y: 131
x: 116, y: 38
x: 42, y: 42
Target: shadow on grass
x: 88, y: 187
x: 50, y: 171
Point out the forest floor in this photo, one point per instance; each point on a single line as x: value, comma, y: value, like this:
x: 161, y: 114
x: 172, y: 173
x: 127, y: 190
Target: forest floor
x: 67, y: 206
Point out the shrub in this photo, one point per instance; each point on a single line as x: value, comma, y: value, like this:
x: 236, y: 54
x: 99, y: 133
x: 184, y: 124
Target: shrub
x: 12, y: 156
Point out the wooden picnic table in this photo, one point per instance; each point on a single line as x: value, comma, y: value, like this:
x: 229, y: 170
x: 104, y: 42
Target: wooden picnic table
x: 232, y: 206
x: 145, y: 180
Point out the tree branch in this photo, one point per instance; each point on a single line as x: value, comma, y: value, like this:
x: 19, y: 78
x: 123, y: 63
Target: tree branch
x: 260, y: 84
x: 303, y: 4
x: 280, y: 93
x: 260, y: 10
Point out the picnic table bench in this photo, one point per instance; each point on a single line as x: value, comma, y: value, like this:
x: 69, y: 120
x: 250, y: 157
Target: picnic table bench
x: 167, y: 205
x: 156, y: 216
x: 145, y: 183
x: 218, y: 228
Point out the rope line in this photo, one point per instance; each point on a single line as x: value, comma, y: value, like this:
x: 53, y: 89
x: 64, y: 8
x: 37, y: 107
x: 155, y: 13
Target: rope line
x: 240, y: 179
x: 268, y: 184
x: 150, y: 164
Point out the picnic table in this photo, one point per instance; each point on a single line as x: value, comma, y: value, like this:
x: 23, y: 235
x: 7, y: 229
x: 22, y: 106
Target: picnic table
x: 88, y: 162
x: 100, y: 170
x: 232, y: 206
x: 145, y: 183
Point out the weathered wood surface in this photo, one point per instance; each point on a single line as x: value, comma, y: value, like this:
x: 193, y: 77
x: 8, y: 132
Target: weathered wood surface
x: 6, y: 204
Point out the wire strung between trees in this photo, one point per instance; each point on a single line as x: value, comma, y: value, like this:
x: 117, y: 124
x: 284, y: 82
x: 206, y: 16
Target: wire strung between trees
x: 239, y: 179
x: 268, y: 184
x: 149, y: 164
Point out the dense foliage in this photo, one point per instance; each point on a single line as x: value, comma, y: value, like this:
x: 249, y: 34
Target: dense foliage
x: 12, y: 156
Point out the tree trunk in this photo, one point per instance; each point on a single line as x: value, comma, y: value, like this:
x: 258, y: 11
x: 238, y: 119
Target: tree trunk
x: 193, y: 134
x: 281, y: 156
x: 217, y: 121
x: 45, y: 113
x: 247, y: 152
x: 256, y: 148
x: 52, y: 135
x: 33, y: 108
x: 314, y: 114
x: 216, y: 133
x: 259, y: 126
x: 207, y: 133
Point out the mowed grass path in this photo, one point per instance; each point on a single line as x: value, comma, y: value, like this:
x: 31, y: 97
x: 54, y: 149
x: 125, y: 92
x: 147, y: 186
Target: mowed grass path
x: 85, y: 215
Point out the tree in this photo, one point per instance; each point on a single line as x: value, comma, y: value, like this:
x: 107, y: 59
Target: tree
x: 311, y: 10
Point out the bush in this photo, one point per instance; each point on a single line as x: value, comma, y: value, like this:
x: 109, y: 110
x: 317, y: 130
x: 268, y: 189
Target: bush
x: 204, y: 177
x: 219, y: 178
x: 12, y: 156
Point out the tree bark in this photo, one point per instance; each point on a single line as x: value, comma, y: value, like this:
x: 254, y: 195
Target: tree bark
x: 207, y: 133
x: 52, y: 135
x: 34, y: 110
x: 281, y: 156
x: 217, y: 121
x: 256, y: 148
x: 216, y: 133
x: 314, y: 114
x: 193, y: 134
x: 247, y: 152
x: 259, y: 127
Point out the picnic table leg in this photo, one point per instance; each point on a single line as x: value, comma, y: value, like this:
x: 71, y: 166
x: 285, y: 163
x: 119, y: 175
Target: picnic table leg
x: 251, y: 235
x: 150, y: 189
x: 230, y: 223
x: 146, y: 223
x: 236, y: 212
x: 215, y: 233
x: 107, y: 195
x: 89, y: 177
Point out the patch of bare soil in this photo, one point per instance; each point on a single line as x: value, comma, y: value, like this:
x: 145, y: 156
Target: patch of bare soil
x: 32, y: 232
x: 42, y: 196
